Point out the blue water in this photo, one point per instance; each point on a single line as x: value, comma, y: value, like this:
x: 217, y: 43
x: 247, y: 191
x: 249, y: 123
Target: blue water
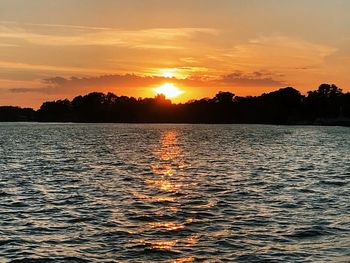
x: 174, y: 193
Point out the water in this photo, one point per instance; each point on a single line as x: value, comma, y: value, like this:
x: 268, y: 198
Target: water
x: 174, y: 193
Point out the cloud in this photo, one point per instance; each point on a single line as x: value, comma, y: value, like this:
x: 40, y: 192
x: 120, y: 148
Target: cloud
x: 7, y: 45
x: 277, y: 51
x: 5, y: 65
x: 24, y: 90
x: 257, y: 78
x: 124, y: 83
x: 61, y: 35
x: 59, y: 85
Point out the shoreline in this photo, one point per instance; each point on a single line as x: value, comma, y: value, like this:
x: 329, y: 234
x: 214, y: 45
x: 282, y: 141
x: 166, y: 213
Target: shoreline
x: 301, y: 123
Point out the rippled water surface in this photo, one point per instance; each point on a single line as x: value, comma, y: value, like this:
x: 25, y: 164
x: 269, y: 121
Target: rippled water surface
x: 174, y: 193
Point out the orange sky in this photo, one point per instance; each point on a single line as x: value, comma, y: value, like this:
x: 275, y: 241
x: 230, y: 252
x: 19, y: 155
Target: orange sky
x: 59, y: 49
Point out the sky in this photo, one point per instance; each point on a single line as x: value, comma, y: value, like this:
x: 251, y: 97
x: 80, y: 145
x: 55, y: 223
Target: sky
x: 53, y: 49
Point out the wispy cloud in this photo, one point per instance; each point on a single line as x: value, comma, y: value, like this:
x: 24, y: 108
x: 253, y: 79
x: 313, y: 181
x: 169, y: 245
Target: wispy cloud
x: 278, y: 51
x: 47, y: 68
x: 7, y: 45
x: 155, y: 38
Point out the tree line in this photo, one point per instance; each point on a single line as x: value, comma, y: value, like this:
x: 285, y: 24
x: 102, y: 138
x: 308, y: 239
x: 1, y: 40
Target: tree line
x: 327, y: 105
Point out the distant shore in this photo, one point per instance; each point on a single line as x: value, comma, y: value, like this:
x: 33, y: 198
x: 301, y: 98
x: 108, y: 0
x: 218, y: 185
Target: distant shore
x: 327, y: 105
x: 342, y: 123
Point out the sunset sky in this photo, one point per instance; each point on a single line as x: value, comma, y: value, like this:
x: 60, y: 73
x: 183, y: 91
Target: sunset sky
x: 52, y: 49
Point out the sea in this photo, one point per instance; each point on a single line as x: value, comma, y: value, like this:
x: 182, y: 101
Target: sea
x: 174, y: 193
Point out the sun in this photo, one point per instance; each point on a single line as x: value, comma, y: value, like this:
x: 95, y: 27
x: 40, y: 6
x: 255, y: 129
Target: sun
x: 168, y: 72
x: 169, y: 90
x: 168, y: 75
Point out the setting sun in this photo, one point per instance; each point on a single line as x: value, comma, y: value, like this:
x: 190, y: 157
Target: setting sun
x: 169, y: 90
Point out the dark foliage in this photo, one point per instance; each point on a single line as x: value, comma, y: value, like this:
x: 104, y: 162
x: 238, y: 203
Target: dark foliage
x: 9, y: 113
x: 326, y: 105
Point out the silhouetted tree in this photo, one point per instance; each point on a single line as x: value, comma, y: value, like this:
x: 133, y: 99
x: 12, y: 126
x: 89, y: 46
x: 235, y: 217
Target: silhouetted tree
x: 10, y: 113
x: 55, y: 111
x: 224, y: 97
x: 326, y: 102
x: 328, y: 105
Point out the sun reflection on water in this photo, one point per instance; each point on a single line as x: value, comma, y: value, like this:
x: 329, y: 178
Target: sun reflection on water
x: 168, y: 156
x: 167, y: 183
x: 170, y: 226
x: 183, y: 260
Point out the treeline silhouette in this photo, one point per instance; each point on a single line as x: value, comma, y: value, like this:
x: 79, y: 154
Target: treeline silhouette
x: 327, y: 105
x: 11, y: 113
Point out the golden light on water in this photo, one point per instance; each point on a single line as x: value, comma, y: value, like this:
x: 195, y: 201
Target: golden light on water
x: 164, y: 185
x: 167, y: 225
x: 169, y: 90
x: 164, y: 244
x: 167, y: 179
